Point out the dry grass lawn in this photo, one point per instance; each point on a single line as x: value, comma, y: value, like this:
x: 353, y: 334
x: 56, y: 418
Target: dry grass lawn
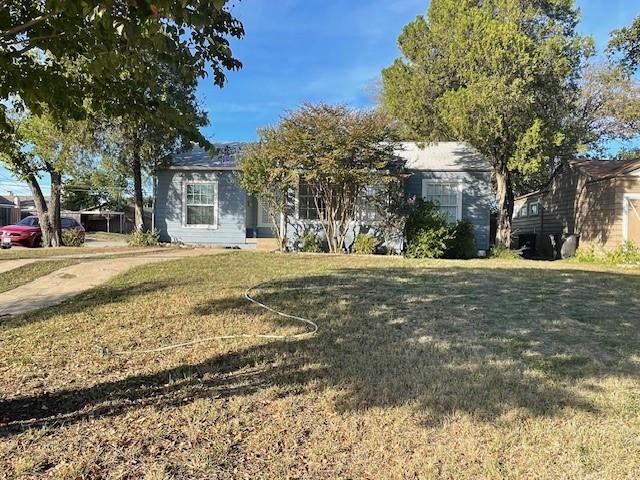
x: 421, y: 369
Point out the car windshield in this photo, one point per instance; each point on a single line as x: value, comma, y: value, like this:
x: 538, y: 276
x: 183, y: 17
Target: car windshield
x: 29, y: 222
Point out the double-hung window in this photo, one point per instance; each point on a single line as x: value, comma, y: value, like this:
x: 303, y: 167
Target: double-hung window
x: 446, y: 195
x: 369, y: 205
x: 307, y: 202
x: 200, y: 201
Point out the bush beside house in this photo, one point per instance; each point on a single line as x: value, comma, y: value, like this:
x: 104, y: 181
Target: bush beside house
x: 429, y: 234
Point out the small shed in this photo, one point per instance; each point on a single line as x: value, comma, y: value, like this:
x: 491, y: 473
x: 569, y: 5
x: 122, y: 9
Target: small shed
x: 597, y: 200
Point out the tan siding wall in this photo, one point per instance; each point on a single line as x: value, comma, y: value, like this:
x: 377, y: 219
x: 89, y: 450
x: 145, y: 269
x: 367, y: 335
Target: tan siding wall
x: 571, y: 205
x: 598, y: 219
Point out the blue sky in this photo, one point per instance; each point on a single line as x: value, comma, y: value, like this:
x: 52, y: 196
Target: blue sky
x: 331, y: 50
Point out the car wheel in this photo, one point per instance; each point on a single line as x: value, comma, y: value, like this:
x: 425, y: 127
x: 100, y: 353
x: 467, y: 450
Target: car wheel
x: 37, y: 242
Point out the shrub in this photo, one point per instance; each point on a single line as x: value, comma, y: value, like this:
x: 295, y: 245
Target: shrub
x: 427, y: 231
x: 365, y: 244
x: 140, y: 238
x: 498, y: 251
x: 627, y: 253
x: 588, y: 254
x: 462, y: 244
x: 310, y: 243
x: 71, y: 238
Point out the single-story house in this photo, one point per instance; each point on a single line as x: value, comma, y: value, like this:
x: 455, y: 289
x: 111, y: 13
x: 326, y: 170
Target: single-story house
x: 597, y: 200
x: 198, y: 199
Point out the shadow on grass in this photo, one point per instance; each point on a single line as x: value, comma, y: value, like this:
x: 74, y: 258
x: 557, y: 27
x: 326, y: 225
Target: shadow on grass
x: 92, y: 299
x: 481, y: 342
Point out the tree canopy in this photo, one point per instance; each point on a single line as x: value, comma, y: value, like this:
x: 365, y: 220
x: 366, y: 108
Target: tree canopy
x: 626, y: 43
x: 336, y: 151
x: 501, y: 75
x: 56, y: 53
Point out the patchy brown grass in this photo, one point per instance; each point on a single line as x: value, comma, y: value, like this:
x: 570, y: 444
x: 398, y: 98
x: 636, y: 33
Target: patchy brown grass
x: 421, y: 369
x: 27, y: 273
x: 19, y: 253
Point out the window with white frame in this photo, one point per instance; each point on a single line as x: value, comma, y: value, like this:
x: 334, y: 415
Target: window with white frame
x: 369, y: 204
x: 200, y: 204
x: 307, y: 202
x: 534, y: 209
x: 446, y: 195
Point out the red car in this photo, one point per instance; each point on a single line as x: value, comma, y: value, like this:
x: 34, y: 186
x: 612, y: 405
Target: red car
x: 27, y: 232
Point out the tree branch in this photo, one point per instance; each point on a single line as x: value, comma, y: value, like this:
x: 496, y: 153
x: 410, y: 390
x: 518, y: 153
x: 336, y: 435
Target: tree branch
x: 26, y: 26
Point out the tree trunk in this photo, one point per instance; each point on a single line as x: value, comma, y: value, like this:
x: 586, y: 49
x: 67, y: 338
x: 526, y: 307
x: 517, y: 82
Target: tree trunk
x: 504, y: 197
x: 41, y: 209
x: 136, y: 166
x: 54, y: 208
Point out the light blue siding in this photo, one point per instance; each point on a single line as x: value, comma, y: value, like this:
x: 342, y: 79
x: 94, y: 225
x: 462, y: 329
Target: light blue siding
x: 477, y: 198
x: 231, y: 208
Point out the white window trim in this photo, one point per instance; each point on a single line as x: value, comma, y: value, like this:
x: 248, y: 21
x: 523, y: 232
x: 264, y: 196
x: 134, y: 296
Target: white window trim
x: 537, y: 204
x: 213, y: 182
x: 459, y: 189
x: 625, y: 213
x: 314, y: 221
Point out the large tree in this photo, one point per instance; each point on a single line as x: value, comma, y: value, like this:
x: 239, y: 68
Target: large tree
x: 608, y: 107
x: 501, y: 75
x: 338, y: 152
x: 154, y: 123
x: 52, y: 149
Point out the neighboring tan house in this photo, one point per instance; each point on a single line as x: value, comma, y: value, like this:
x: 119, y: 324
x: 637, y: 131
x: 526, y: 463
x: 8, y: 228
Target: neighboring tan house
x: 198, y: 199
x: 597, y: 200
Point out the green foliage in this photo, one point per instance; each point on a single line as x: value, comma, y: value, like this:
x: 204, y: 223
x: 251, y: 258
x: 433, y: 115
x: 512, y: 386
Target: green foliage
x: 264, y: 172
x: 429, y: 235
x: 102, y: 183
x: 462, y: 244
x: 310, y: 243
x: 610, y: 106
x: 501, y: 75
x: 142, y: 238
x: 589, y: 254
x: 339, y: 152
x: 427, y: 232
x: 627, y: 253
x: 365, y: 244
x: 626, y: 43
x: 505, y: 253
x: 63, y: 53
x: 71, y: 238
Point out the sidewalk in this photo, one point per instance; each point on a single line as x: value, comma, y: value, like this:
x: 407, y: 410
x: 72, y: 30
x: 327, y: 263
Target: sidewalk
x: 70, y: 281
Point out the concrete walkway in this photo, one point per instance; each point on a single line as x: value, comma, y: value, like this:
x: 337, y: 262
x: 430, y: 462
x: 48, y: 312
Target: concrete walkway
x: 7, y: 265
x: 70, y: 281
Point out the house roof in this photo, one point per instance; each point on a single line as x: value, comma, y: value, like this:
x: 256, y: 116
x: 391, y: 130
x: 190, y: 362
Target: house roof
x: 442, y: 157
x: 199, y: 158
x: 6, y: 201
x: 595, y: 169
x: 601, y: 169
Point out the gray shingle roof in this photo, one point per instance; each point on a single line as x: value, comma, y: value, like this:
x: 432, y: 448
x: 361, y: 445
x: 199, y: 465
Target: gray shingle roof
x: 442, y: 156
x: 198, y: 157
